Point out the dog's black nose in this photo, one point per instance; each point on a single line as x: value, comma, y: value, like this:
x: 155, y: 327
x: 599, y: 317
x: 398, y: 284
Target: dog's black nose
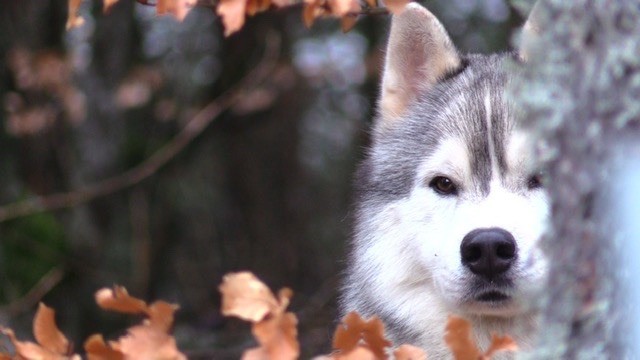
x: 488, y: 252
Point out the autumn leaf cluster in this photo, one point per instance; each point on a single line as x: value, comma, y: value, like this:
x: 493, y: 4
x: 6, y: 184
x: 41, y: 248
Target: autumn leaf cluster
x: 147, y: 340
x: 43, y: 92
x: 246, y: 297
x: 234, y: 12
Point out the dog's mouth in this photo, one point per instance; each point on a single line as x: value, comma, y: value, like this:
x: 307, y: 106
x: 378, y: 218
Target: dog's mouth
x: 492, y: 297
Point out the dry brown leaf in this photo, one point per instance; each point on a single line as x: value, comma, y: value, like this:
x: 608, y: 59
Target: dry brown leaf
x: 148, y: 342
x: 97, y: 349
x: 396, y: 6
x: 359, y: 353
x: 258, y: 353
x: 341, y: 8
x: 353, y: 329
x: 161, y: 7
x: 232, y: 13
x: 255, y: 6
x: 118, y: 299
x: 409, y: 352
x: 107, y: 4
x: 161, y: 315
x: 28, y: 350
x: 277, y: 335
x: 374, y: 337
x: 313, y: 9
x: 179, y: 8
x: 47, y: 333
x: 282, y: 3
x: 459, y: 337
x: 347, y: 22
x: 246, y: 297
x: 348, y: 333
x: 499, y: 343
x: 73, y: 20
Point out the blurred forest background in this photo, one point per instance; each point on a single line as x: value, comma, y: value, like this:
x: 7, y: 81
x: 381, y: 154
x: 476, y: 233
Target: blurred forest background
x: 265, y: 188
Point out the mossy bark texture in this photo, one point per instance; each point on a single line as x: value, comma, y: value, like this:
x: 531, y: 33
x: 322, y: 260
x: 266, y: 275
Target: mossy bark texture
x: 580, y: 93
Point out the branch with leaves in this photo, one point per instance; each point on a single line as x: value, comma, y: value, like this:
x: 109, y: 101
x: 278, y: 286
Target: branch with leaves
x: 234, y: 12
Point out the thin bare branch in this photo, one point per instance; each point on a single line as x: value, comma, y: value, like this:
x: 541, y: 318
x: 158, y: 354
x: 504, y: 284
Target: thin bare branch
x: 35, y: 294
x: 150, y: 166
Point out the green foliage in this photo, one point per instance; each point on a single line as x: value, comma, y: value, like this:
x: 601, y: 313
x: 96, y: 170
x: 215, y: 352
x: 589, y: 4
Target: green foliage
x: 30, y: 248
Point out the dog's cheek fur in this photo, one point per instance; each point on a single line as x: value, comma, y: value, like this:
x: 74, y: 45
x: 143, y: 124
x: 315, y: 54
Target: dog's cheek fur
x: 399, y: 283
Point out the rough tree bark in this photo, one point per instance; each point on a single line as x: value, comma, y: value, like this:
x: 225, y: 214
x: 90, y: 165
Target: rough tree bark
x: 580, y: 92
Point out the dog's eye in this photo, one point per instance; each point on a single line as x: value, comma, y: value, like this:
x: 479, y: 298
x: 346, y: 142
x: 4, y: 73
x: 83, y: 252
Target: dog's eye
x: 535, y: 181
x: 443, y: 185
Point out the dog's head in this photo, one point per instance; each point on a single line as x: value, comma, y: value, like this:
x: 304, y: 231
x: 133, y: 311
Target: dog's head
x: 449, y: 188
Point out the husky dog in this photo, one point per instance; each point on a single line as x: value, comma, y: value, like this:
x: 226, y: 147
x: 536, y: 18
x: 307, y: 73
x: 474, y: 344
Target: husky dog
x: 448, y: 206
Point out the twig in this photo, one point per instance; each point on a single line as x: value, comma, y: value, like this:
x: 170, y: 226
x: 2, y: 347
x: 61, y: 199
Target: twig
x: 44, y: 285
x: 194, y: 127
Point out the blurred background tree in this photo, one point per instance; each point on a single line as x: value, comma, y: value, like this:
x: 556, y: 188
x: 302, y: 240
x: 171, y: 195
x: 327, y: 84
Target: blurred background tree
x: 265, y: 188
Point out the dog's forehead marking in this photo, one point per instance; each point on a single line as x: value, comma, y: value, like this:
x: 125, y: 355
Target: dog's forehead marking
x: 490, y: 136
x: 517, y: 158
x: 450, y: 158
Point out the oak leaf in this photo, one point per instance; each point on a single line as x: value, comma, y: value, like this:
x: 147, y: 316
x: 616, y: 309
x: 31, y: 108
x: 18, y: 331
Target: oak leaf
x: 255, y: 6
x: 161, y: 315
x: 346, y: 10
x: 347, y: 22
x: 148, y: 342
x: 179, y: 8
x: 499, y: 343
x: 283, y: 3
x: 47, y: 333
x: 73, y: 20
x: 107, y: 4
x: 359, y: 353
x: 277, y: 336
x: 396, y: 6
x: 232, y: 13
x: 52, y: 344
x: 409, y: 352
x: 118, y: 299
x: 354, y: 330
x: 459, y: 338
x: 162, y: 7
x: 341, y: 8
x: 28, y: 350
x: 97, y: 349
x: 314, y: 9
x: 246, y: 297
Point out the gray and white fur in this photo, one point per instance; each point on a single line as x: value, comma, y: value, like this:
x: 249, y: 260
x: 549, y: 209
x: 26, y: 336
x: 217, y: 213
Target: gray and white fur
x: 449, y: 207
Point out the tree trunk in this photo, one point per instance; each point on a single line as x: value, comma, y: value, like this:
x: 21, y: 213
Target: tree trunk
x: 580, y: 91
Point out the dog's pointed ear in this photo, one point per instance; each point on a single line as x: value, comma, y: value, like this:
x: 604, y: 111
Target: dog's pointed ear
x: 530, y: 33
x: 419, y: 53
